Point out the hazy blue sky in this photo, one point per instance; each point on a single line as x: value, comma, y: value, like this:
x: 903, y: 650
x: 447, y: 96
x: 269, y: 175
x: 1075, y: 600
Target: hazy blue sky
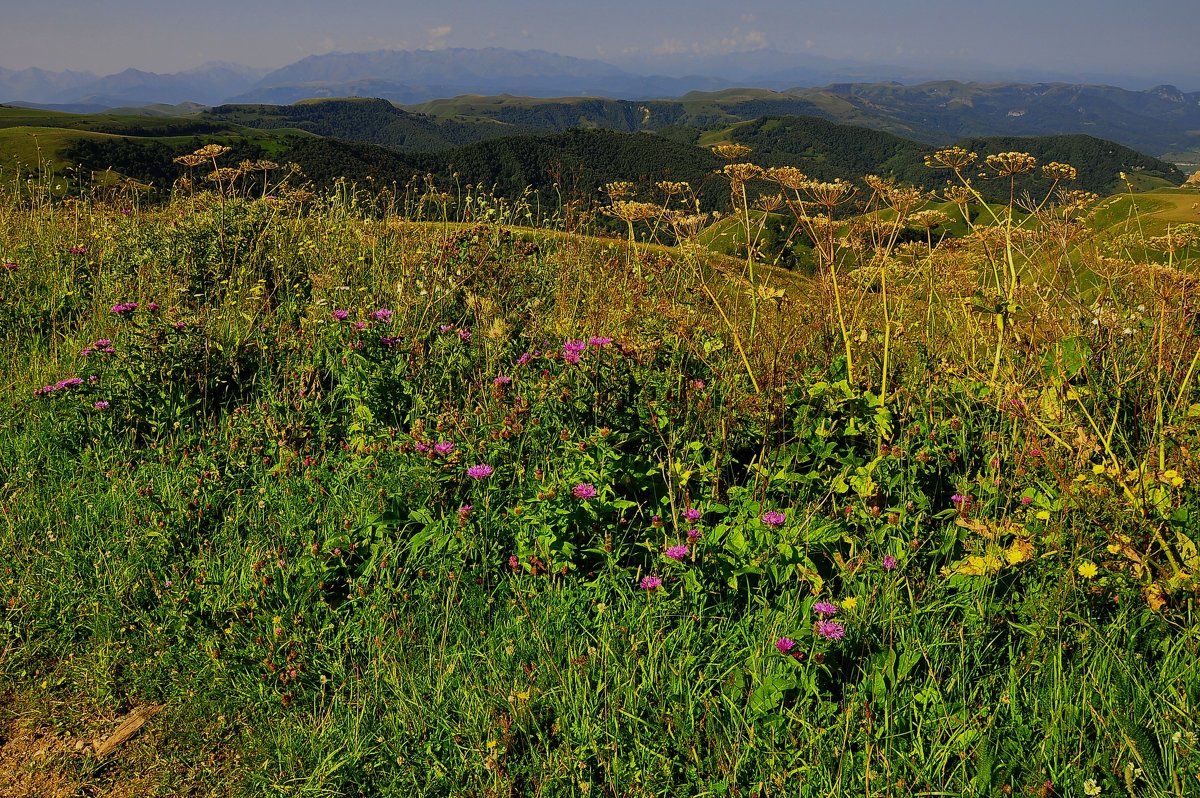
x: 1133, y: 37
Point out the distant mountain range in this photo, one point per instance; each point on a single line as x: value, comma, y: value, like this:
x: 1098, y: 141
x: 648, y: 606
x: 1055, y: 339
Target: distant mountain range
x: 453, y: 97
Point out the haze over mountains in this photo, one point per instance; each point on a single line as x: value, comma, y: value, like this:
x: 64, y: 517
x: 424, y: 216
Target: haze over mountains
x: 414, y: 76
x: 1160, y: 121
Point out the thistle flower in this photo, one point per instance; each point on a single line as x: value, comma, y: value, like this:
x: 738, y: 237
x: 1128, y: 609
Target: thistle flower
x: 481, y: 471
x: 824, y: 608
x: 691, y: 514
x: 651, y: 582
x: 889, y: 563
x: 584, y: 490
x: 774, y: 519
x: 785, y: 644
x: 831, y: 630
x: 443, y: 447
x: 694, y: 534
x: 677, y: 553
x: 383, y: 314
x: 340, y: 315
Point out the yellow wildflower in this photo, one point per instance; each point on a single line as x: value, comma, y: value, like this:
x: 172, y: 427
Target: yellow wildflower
x: 1087, y: 569
x: 849, y: 603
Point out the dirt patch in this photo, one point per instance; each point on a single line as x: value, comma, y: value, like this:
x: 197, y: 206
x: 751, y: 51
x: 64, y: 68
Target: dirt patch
x: 31, y: 760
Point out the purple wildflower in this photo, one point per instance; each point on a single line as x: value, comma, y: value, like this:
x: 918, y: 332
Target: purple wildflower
x: 503, y: 379
x: 651, y: 582
x: 443, y: 447
x: 831, y: 630
x: 1026, y: 501
x: 153, y: 306
x: 513, y: 562
x: 523, y: 359
x: 481, y: 471
x: 824, y: 608
x: 421, y: 446
x: 465, y: 335
x: 597, y: 341
x: 101, y: 405
x: 698, y: 384
x: 584, y: 490
x: 9, y: 267
x: 677, y: 552
x: 77, y: 250
x: 124, y: 307
x: 694, y: 534
x: 445, y: 327
x: 360, y: 325
x: 656, y: 521
x: 383, y: 314
x: 889, y: 563
x: 785, y: 645
x: 464, y: 512
x: 691, y: 514
x: 572, y: 350
x: 340, y: 315
x: 389, y: 340
x: 774, y: 519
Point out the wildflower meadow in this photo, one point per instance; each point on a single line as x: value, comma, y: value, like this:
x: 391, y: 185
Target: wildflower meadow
x: 348, y: 501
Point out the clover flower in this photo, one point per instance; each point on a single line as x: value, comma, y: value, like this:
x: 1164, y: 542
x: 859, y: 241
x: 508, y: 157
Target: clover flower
x: 584, y: 490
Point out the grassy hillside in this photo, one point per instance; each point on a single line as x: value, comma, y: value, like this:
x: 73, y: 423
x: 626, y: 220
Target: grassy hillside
x: 350, y: 497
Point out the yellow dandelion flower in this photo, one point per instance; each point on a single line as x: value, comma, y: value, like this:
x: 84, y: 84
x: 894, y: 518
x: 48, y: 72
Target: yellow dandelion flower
x: 1043, y: 515
x: 1087, y: 569
x: 1097, y: 469
x: 849, y: 603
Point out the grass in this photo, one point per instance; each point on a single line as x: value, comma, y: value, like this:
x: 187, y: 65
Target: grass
x: 266, y: 514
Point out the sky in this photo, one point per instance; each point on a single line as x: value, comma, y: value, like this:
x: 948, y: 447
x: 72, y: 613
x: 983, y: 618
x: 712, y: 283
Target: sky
x: 1151, y: 39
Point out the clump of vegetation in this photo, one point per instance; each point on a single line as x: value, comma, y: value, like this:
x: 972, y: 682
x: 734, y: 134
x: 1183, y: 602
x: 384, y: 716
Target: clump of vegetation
x: 384, y: 495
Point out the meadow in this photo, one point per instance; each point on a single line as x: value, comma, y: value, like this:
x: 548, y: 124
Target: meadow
x: 367, y: 495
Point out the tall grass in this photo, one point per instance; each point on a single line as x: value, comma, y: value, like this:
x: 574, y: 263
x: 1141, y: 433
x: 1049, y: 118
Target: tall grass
x: 919, y: 523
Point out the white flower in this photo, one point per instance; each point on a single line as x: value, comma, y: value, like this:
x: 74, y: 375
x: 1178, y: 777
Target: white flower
x: 1090, y: 787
